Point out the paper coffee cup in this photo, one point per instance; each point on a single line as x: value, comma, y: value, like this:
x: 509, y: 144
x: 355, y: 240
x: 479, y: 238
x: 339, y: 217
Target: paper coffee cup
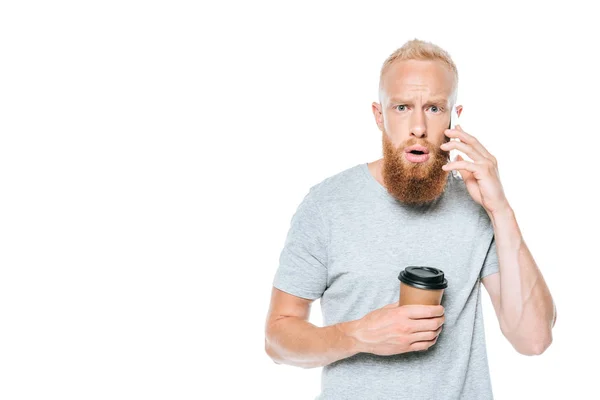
x: 422, y: 285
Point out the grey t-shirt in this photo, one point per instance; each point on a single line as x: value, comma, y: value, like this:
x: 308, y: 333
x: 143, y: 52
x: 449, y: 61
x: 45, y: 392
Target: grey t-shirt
x: 348, y: 241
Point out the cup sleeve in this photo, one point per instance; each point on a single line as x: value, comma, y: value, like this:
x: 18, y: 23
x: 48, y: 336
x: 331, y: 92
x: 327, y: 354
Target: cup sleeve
x: 490, y: 264
x: 302, y: 267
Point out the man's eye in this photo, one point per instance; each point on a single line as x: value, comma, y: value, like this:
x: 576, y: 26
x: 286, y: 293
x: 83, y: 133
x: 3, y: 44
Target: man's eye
x: 435, y: 109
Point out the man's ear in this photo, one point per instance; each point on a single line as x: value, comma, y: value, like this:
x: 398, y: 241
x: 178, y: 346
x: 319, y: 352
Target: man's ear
x: 377, y: 113
x: 458, y: 110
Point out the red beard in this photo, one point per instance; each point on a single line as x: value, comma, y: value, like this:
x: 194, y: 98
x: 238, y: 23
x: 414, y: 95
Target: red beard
x: 414, y: 183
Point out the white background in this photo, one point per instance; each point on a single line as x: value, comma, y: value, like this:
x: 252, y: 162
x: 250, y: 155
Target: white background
x: 153, y: 153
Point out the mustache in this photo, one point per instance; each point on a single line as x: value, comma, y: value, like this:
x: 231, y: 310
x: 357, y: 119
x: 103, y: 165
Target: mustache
x: 433, y: 150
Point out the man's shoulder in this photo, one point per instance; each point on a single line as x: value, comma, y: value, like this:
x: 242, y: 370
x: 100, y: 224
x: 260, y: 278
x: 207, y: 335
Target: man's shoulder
x: 341, y: 183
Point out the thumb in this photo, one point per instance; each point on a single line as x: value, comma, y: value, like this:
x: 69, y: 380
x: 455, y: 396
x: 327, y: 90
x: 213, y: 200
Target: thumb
x: 392, y: 305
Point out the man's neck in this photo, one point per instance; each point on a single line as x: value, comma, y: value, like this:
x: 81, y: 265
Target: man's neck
x: 375, y: 169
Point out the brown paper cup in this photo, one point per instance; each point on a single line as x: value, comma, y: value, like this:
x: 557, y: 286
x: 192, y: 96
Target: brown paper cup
x: 412, y: 295
x: 422, y: 286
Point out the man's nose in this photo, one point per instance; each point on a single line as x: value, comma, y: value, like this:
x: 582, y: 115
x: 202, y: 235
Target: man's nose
x: 417, y: 127
x: 418, y: 133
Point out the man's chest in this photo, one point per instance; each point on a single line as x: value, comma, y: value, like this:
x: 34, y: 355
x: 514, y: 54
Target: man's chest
x: 367, y: 252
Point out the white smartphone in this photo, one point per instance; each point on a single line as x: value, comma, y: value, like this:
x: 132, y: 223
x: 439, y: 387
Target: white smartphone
x: 454, y: 152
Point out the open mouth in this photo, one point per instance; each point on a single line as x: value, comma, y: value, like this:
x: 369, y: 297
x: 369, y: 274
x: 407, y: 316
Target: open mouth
x: 416, y: 153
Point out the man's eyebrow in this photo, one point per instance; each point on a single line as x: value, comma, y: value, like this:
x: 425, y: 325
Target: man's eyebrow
x: 439, y: 101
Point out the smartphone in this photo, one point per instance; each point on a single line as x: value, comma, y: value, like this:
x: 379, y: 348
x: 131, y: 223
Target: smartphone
x: 454, y: 152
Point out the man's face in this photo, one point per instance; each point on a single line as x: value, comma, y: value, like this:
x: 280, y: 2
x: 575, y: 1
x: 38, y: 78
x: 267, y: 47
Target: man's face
x: 415, y: 110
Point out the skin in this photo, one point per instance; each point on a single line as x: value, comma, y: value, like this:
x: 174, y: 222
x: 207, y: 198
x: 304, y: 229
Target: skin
x: 425, y: 88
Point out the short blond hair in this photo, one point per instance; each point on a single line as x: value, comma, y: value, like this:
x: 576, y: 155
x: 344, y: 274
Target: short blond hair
x: 416, y: 49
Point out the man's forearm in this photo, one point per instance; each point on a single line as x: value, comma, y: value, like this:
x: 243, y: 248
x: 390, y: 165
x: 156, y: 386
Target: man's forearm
x: 297, y: 342
x: 527, y: 309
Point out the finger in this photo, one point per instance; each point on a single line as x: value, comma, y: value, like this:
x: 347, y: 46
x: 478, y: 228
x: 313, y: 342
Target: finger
x: 465, y: 148
x: 469, y: 139
x: 425, y: 335
x: 422, y: 346
x: 463, y: 164
x: 466, y: 175
x: 414, y: 311
x: 425, y: 325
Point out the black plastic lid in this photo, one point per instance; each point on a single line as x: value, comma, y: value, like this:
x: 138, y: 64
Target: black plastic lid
x: 423, y: 277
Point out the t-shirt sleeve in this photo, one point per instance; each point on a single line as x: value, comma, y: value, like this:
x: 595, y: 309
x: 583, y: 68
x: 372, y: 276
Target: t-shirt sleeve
x: 302, y: 267
x: 490, y: 264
